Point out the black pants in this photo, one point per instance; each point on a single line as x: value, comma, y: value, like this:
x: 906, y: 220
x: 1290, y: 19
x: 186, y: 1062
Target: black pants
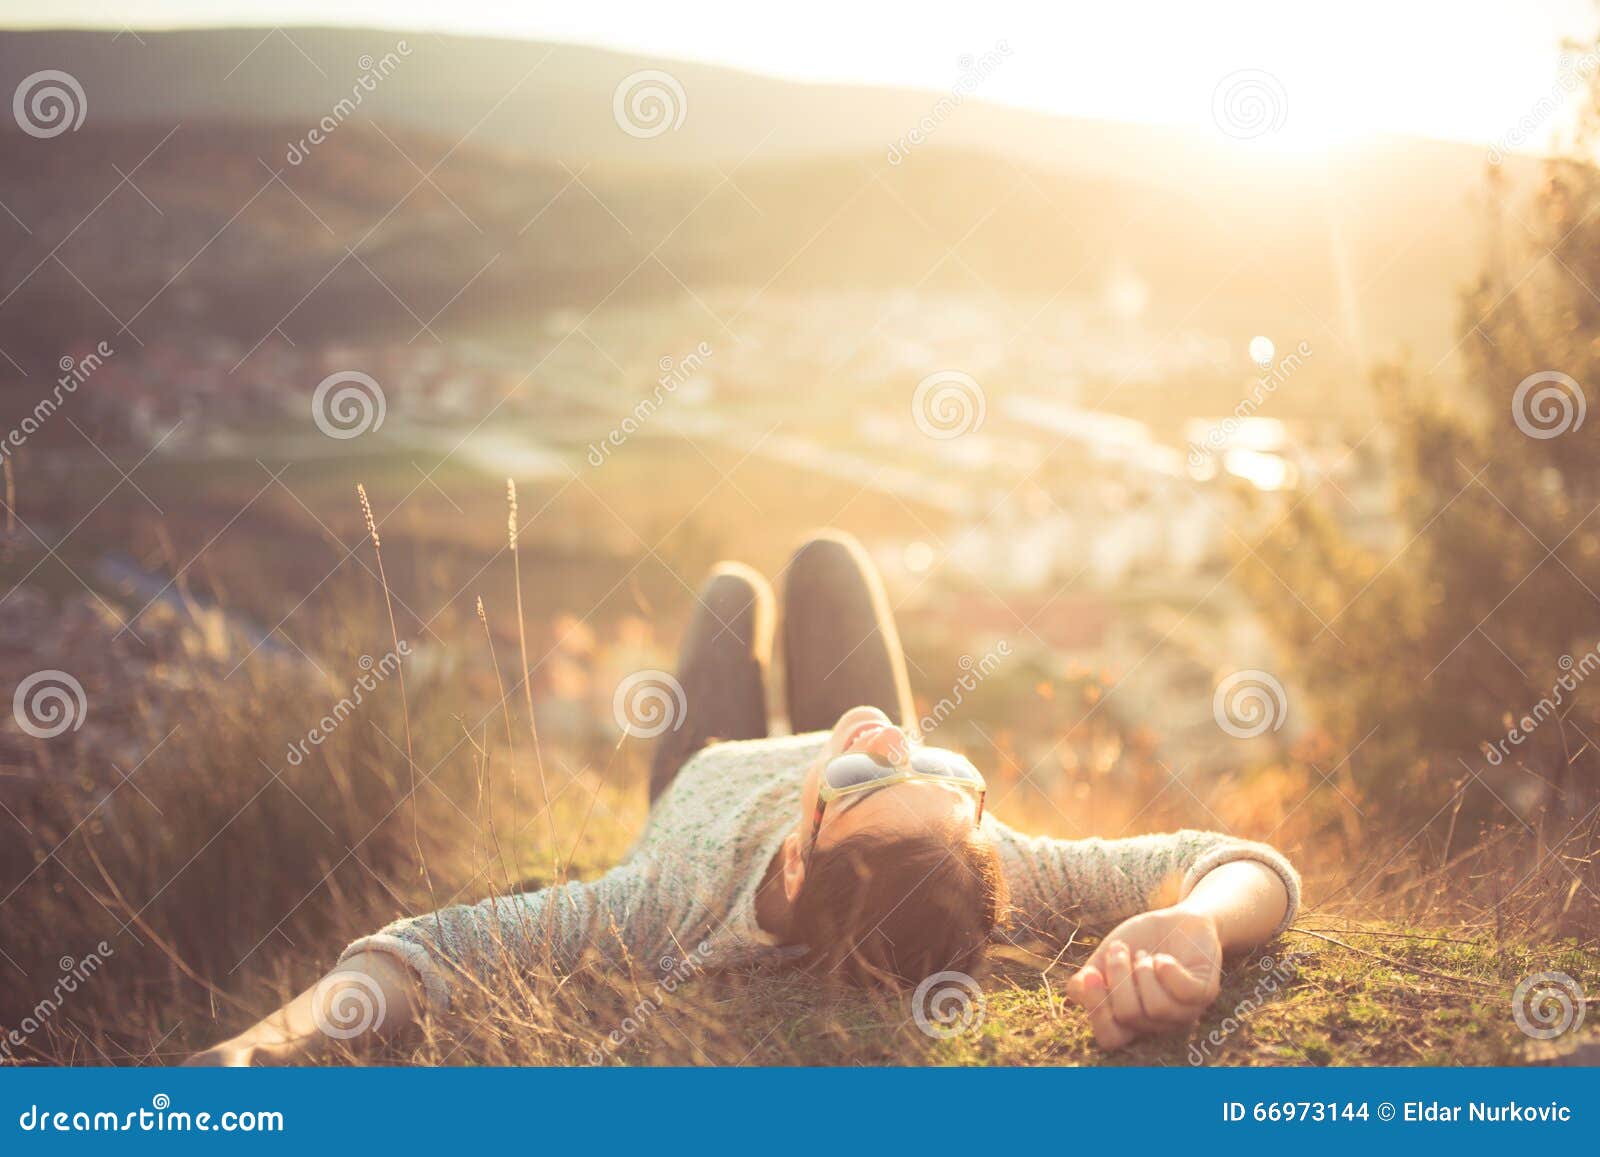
x: 840, y: 650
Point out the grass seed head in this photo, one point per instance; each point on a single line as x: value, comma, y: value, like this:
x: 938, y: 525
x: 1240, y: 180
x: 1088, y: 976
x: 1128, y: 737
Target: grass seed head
x: 366, y: 512
x: 511, y: 513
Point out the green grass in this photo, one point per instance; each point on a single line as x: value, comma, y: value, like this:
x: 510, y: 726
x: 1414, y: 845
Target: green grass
x: 1381, y: 995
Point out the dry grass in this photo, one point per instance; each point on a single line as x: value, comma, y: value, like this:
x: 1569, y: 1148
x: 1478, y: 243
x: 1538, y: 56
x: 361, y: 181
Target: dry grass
x: 224, y: 878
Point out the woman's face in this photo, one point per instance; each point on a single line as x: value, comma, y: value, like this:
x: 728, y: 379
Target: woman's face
x: 899, y: 808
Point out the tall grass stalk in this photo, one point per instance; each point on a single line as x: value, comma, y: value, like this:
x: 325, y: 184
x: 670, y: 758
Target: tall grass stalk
x: 527, y: 681
x: 511, y: 743
x: 400, y: 671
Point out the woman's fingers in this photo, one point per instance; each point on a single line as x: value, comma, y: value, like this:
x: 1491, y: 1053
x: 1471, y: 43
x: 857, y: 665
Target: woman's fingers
x: 887, y: 742
x: 853, y: 723
x: 1077, y: 985
x: 884, y: 740
x: 1124, y: 997
x: 1083, y: 981
x: 1096, y: 1001
x: 1128, y: 993
x: 1184, y: 986
x: 221, y: 1056
x: 1160, y: 1006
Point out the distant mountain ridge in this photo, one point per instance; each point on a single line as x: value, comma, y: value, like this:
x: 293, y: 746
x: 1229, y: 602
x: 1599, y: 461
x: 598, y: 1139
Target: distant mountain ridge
x: 1369, y: 249
x: 557, y: 99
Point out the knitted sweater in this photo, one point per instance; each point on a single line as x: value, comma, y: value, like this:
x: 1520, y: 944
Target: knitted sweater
x: 686, y: 891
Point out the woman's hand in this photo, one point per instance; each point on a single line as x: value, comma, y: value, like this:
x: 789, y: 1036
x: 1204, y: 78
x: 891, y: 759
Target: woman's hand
x: 230, y: 1054
x: 1155, y: 972
x: 370, y: 992
x: 869, y: 730
x: 1159, y: 971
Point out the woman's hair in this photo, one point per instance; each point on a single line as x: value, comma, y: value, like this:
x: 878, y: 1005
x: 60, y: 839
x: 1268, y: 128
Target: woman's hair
x: 890, y: 912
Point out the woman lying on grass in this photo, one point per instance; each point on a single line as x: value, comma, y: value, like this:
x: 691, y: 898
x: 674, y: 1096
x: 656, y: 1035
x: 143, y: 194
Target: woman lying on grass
x: 847, y: 845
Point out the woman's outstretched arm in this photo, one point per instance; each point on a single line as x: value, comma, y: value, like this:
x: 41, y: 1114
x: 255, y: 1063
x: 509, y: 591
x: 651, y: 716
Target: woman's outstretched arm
x: 1160, y: 970
x: 368, y: 993
x: 383, y: 981
x: 1174, y: 904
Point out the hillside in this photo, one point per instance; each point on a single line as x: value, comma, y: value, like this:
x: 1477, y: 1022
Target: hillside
x: 489, y: 178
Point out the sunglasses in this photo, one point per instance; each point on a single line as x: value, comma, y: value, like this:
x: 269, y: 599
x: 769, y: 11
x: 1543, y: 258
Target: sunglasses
x: 851, y: 775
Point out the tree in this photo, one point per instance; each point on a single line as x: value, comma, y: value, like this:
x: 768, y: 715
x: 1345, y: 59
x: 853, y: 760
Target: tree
x: 1461, y: 666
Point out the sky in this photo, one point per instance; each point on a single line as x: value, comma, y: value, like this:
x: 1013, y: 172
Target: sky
x: 1466, y: 70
